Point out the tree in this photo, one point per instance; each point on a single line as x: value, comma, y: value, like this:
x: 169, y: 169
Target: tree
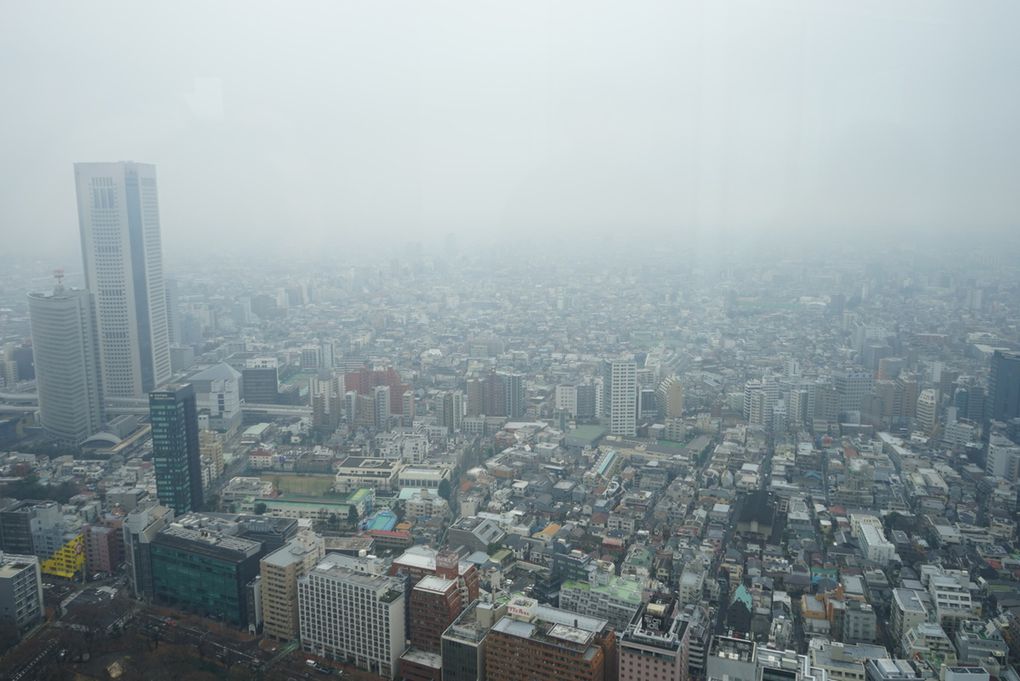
x: 352, y: 515
x: 444, y: 489
x: 260, y: 508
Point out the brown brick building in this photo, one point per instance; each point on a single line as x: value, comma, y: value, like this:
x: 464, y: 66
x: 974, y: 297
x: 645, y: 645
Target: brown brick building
x: 535, y: 643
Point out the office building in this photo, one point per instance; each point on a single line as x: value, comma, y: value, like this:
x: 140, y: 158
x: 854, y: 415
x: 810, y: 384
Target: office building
x: 279, y: 572
x: 104, y: 545
x: 140, y: 527
x: 604, y: 596
x: 538, y: 642
x: 218, y: 396
x: 118, y: 214
x: 887, y: 669
x: 67, y: 363
x: 21, y: 593
x: 419, y: 562
x: 434, y: 604
x: 1003, y: 401
x: 463, y: 643
x: 260, y: 381
x: 382, y: 402
x: 205, y: 569
x: 352, y: 616
x: 908, y: 610
x: 655, y: 644
x: 852, y: 386
x: 175, y: 448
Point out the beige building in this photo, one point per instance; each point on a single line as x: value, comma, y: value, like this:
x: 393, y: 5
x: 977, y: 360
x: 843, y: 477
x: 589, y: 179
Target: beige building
x: 280, y: 571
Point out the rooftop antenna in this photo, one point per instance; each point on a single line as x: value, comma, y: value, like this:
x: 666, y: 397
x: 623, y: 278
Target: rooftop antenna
x: 58, y: 274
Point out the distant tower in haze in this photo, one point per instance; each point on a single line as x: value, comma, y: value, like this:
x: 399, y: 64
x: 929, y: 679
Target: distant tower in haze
x: 1003, y: 402
x: 620, y: 387
x: 175, y: 451
x: 118, y: 214
x: 66, y: 346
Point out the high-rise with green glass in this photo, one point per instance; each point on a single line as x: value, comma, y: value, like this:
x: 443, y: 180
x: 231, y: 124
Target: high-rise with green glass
x: 175, y: 454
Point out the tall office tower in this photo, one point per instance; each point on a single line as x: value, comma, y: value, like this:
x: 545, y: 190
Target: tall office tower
x: 1003, y: 401
x: 348, y: 615
x: 623, y: 397
x: 671, y: 397
x: 513, y: 384
x: 68, y: 369
x: 175, y: 448
x: 118, y: 213
x: 280, y: 571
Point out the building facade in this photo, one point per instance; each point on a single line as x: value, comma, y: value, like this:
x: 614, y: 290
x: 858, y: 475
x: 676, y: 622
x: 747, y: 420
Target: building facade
x: 118, y: 215
x: 352, y: 617
x: 175, y: 448
x: 65, y: 341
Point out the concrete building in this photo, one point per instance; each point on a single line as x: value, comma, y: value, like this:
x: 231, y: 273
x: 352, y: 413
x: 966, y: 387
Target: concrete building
x: 65, y: 341
x: 875, y: 546
x: 463, y: 642
x: 434, y: 604
x: 908, y: 610
x: 218, y: 395
x: 654, y: 647
x: 1003, y: 458
x: 21, y: 592
x: 619, y: 388
x: 280, y: 572
x: 140, y: 527
x: 927, y: 411
x: 118, y: 214
x: 352, y: 617
x: 604, y: 596
x: 539, y: 642
x: 356, y: 472
x: 203, y: 569
x: 886, y: 669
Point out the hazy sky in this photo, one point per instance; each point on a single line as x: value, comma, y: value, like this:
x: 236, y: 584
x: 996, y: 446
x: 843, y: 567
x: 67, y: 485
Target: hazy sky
x: 290, y: 126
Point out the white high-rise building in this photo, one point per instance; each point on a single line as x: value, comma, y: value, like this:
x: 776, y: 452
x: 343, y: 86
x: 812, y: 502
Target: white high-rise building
x: 66, y: 348
x: 118, y: 214
x: 352, y: 616
x: 622, y: 391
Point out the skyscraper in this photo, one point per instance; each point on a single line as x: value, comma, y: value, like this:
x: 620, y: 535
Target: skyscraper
x: 175, y: 450
x: 118, y: 214
x: 1004, y: 386
x: 66, y: 345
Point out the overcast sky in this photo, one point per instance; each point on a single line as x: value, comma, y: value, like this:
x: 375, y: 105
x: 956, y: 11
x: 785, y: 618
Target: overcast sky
x: 291, y: 126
